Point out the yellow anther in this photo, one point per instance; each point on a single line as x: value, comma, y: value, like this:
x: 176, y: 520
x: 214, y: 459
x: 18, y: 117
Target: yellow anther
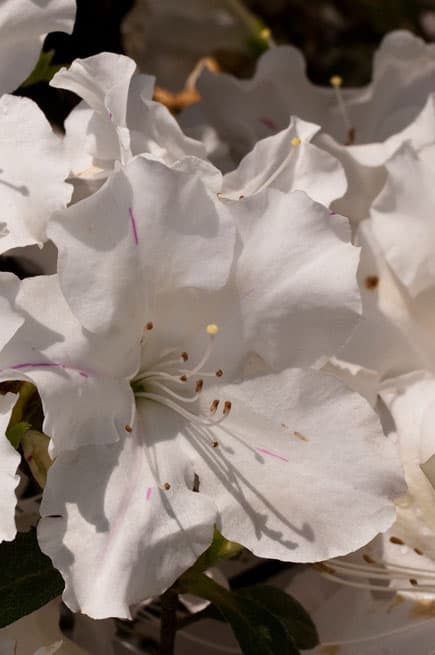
x: 296, y: 141
x: 265, y: 34
x: 212, y: 329
x: 336, y: 81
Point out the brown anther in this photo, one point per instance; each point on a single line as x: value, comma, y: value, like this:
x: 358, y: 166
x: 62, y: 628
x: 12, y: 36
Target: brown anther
x: 166, y: 486
x: 149, y: 325
x: 414, y: 582
x: 219, y: 373
x: 241, y: 197
x: 128, y: 428
x: 300, y: 436
x: 351, y: 134
x: 214, y: 405
x: 371, y: 282
x: 227, y: 407
x: 184, y: 356
x: 214, y: 444
x: 323, y: 568
x: 418, y: 551
x: 396, y: 540
x: 199, y: 385
x: 183, y: 378
x: 368, y: 559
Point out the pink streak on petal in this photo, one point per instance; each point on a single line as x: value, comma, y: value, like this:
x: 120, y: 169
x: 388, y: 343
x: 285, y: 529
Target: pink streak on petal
x: 271, y: 454
x: 133, y: 225
x: 110, y: 115
x: 268, y: 123
x: 16, y: 367
x: 331, y: 213
x: 149, y: 492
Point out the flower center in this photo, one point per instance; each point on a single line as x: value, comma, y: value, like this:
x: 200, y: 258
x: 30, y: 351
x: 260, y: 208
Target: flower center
x: 173, y: 384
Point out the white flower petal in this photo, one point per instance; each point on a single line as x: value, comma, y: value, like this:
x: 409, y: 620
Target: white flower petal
x: 23, y: 27
x: 33, y: 168
x: 411, y: 401
x: 402, y: 218
x: 139, y: 535
x: 150, y: 229
x: 301, y: 470
x: 295, y: 276
x: 9, y: 462
x: 287, y: 166
x: 76, y: 374
x: 358, y: 622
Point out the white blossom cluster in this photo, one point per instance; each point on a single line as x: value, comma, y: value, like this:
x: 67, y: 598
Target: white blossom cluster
x: 240, y: 297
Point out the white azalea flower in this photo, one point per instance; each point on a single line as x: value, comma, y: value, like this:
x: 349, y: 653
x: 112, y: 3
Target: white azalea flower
x: 382, y: 598
x: 33, y: 166
x: 24, y: 24
x: 119, y: 120
x: 178, y: 387
x: 402, y: 218
x: 362, y: 127
x: 356, y: 621
x: 395, y: 335
x: 10, y: 459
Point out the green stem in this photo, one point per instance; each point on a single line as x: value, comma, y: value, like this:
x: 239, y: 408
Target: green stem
x: 168, y: 622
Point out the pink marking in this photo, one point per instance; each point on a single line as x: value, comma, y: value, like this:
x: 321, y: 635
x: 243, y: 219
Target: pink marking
x: 331, y: 213
x: 133, y: 225
x: 37, y: 364
x: 264, y: 451
x: 149, y: 492
x: 268, y: 123
x: 16, y: 367
x: 110, y: 115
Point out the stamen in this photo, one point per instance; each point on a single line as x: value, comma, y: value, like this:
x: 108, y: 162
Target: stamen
x: 166, y: 486
x: 183, y: 378
x: 212, y: 331
x: 192, y: 418
x: 213, y: 407
x: 214, y: 444
x: 219, y: 373
x: 296, y: 141
x: 227, y: 407
x: 149, y: 325
x: 379, y: 578
x: 336, y: 82
x: 184, y: 399
x: 199, y: 385
x: 184, y: 356
x: 128, y: 428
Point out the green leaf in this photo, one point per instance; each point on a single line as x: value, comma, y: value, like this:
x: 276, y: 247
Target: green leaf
x: 256, y: 629
x: 291, y: 613
x: 17, y: 425
x: 44, y: 69
x: 28, y: 579
x: 16, y: 432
